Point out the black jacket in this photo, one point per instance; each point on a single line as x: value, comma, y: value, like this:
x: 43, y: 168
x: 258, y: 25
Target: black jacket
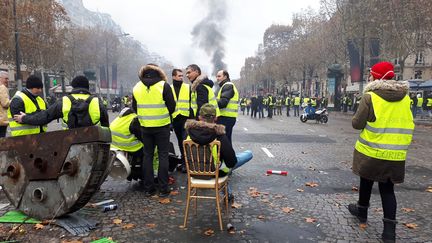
x: 55, y: 112
x: 150, y: 75
x: 226, y: 94
x: 17, y: 105
x: 201, y: 90
x: 204, y: 133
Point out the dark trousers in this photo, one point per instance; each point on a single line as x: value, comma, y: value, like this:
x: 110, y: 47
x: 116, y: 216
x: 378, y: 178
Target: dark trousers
x: 3, y: 131
x: 288, y: 110
x: 229, y: 123
x: 180, y: 132
x: 247, y: 110
x: 296, y: 110
x: 155, y: 136
x: 261, y: 111
x: 270, y: 112
x: 254, y: 111
x: 388, y: 198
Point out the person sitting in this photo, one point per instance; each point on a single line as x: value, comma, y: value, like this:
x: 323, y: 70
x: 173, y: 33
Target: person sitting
x: 205, y: 130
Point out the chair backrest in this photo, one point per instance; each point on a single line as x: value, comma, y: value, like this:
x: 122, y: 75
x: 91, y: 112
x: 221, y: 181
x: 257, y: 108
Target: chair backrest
x: 199, y: 159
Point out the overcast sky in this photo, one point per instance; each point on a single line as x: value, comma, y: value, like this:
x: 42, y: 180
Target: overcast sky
x: 165, y: 26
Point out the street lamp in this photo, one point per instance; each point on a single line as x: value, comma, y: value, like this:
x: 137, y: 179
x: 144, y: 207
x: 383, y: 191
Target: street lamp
x: 107, y: 67
x: 62, y: 76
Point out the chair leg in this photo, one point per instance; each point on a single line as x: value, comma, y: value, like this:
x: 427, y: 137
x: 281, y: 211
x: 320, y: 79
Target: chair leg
x: 196, y: 201
x: 187, y: 206
x: 218, y: 209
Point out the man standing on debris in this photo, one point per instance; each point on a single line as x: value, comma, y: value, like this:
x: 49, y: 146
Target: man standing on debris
x: 154, y: 103
x: 4, y: 103
x: 385, y: 118
x: 27, y: 101
x: 79, y: 109
x: 228, y: 99
x: 201, y: 89
x: 181, y: 92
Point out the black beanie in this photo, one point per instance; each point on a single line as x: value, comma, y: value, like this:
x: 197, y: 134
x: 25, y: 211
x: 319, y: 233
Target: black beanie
x: 80, y: 82
x: 33, y: 82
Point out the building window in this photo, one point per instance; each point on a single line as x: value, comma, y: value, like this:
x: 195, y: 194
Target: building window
x: 419, y: 58
x: 418, y: 74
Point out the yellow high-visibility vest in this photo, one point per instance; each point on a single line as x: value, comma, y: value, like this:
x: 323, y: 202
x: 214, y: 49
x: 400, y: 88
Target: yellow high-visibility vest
x: 183, y: 101
x: 389, y: 136
x: 297, y: 100
x: 151, y: 108
x: 231, y: 110
x: 18, y: 129
x: 94, y: 110
x: 122, y: 138
x: 419, y: 102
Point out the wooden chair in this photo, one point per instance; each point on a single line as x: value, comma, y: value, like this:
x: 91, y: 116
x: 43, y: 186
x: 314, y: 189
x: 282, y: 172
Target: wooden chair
x: 203, y: 173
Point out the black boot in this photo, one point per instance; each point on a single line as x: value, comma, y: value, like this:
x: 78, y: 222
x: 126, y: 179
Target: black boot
x: 389, y: 232
x: 359, y: 211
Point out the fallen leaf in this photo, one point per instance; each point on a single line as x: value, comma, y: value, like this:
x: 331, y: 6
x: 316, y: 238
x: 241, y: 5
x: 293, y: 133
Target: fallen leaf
x: 236, y: 205
x: 209, y: 232
x: 261, y: 217
x: 254, y: 194
x: 310, y: 220
x: 429, y: 189
x: 39, y: 226
x: 311, y: 184
x: 378, y: 210
x: 287, y: 209
x: 300, y: 190
x: 174, y: 193
x: 117, y: 221
x: 363, y: 226
x: 151, y: 226
x: 164, y: 201
x: 410, y: 225
x: 354, y: 188
x: 128, y: 226
x: 172, y: 211
x: 408, y: 210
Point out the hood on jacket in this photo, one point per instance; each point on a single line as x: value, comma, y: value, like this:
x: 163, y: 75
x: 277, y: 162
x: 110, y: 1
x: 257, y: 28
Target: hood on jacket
x: 390, y: 90
x: 151, y: 74
x: 203, y: 132
x: 202, y: 79
x: 80, y: 91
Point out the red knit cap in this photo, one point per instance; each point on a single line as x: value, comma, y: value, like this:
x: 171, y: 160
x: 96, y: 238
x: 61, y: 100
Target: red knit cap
x: 382, y: 70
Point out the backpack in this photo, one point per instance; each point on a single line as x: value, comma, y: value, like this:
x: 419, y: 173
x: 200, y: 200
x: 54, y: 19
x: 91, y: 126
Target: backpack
x: 79, y: 115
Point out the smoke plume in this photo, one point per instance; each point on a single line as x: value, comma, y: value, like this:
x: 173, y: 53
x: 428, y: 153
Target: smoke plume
x: 209, y: 33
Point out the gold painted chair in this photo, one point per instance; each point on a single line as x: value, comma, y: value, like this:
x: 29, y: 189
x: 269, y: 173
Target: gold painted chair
x: 203, y: 173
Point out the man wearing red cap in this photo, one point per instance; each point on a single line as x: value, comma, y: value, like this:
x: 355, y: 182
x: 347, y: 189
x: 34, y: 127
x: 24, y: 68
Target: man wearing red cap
x: 386, y: 121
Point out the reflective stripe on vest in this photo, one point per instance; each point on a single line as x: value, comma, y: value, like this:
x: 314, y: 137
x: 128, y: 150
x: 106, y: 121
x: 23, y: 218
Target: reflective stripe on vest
x: 222, y: 166
x: 390, y: 135
x: 297, y: 100
x: 212, y: 99
x: 151, y: 108
x: 182, y: 102
x: 231, y: 110
x: 94, y: 110
x: 122, y: 138
x: 18, y: 129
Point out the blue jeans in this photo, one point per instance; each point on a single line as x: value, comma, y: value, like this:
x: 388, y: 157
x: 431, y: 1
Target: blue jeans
x: 242, y: 158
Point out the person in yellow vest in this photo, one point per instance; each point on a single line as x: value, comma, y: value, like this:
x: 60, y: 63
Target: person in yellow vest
x: 27, y: 101
x: 429, y: 105
x: 288, y: 104
x: 79, y: 109
x: 228, y: 99
x: 278, y: 106
x: 154, y: 102
x: 270, y: 104
x: 296, y: 105
x: 205, y: 131
x: 126, y: 136
x: 248, y: 105
x: 243, y: 105
x: 201, y: 89
x: 4, y: 102
x: 182, y: 95
x: 386, y: 123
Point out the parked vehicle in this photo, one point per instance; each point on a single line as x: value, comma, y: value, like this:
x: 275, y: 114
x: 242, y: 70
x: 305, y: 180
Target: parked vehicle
x: 319, y: 116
